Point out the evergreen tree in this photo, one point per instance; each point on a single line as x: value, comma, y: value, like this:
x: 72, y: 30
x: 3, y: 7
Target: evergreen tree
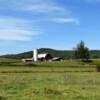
x: 82, y: 52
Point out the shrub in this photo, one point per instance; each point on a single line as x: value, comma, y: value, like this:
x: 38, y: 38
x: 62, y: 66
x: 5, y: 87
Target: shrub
x: 98, y: 68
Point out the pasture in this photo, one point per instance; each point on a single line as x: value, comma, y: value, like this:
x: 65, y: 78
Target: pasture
x: 67, y: 80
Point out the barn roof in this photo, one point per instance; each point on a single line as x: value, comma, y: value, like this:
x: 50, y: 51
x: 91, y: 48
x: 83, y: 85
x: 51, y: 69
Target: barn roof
x: 42, y: 55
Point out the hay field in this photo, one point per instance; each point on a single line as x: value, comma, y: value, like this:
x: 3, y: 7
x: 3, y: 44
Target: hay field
x: 67, y: 80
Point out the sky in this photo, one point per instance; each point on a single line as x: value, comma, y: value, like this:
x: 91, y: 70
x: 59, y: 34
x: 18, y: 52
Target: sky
x: 57, y: 24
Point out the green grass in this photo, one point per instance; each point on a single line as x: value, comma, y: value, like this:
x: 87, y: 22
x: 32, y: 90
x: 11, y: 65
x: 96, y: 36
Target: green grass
x: 47, y: 67
x: 50, y: 86
x: 68, y: 80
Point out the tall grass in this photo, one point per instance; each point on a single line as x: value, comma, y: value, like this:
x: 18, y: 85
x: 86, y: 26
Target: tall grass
x: 67, y: 80
x: 41, y: 67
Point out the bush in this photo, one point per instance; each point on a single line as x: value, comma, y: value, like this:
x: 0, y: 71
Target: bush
x: 87, y: 61
x: 98, y: 68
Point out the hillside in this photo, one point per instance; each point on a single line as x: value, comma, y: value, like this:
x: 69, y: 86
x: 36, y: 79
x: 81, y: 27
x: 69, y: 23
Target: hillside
x: 65, y: 54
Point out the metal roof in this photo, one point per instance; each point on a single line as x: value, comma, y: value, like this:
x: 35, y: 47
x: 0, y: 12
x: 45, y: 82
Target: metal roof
x: 42, y: 55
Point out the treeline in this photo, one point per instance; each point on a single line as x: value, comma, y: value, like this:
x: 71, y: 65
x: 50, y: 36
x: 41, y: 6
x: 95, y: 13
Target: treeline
x: 65, y: 54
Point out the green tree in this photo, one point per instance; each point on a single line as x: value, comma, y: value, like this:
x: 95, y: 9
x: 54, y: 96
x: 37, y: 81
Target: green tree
x: 82, y: 52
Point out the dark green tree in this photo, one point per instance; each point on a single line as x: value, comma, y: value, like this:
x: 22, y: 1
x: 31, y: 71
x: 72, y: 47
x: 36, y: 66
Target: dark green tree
x: 82, y: 52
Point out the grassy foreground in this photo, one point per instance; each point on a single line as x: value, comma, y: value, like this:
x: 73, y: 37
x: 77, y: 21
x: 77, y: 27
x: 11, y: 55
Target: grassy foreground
x: 68, y: 80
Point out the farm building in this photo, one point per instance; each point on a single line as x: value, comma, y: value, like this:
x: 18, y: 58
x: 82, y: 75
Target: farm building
x: 57, y: 59
x: 41, y: 57
x: 44, y: 57
x: 27, y: 60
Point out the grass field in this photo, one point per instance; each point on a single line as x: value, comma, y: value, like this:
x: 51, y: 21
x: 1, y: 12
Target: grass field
x: 67, y: 80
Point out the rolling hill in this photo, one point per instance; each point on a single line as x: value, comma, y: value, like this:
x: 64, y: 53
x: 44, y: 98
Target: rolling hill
x: 65, y: 54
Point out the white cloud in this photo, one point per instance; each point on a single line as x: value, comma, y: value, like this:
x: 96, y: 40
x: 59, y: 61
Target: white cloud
x: 12, y: 28
x: 11, y: 22
x: 46, y: 8
x: 49, y: 9
x: 16, y: 29
x: 66, y: 20
x: 52, y: 12
x: 17, y: 35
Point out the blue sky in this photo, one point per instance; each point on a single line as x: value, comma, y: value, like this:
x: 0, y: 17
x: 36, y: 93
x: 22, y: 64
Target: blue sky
x: 58, y: 24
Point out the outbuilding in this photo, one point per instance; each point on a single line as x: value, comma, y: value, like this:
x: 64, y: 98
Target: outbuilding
x: 44, y: 57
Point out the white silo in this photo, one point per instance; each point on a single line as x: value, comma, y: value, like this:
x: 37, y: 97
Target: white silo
x: 35, y: 55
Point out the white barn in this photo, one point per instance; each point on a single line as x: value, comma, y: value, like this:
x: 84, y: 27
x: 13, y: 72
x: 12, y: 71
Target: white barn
x: 41, y: 57
x: 44, y: 57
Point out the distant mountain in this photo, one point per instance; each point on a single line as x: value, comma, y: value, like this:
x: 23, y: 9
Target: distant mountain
x: 65, y: 54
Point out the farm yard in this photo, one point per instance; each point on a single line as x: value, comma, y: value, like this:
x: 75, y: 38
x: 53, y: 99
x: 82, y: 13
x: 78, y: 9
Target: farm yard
x: 67, y: 80
x: 49, y: 50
